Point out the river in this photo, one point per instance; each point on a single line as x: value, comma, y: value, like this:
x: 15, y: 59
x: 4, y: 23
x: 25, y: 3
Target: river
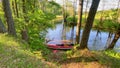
x: 97, y: 40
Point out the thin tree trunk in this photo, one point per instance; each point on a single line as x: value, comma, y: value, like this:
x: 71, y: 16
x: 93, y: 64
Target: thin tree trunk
x: 13, y: 7
x: 16, y: 7
x: 34, y: 6
x: 109, y: 39
x: 115, y: 39
x: 78, y: 28
x: 9, y: 18
x: 74, y: 12
x: 24, y: 8
x: 87, y: 1
x: 101, y: 17
x: 64, y: 11
x: 24, y: 35
x: 89, y: 23
x: 24, y: 32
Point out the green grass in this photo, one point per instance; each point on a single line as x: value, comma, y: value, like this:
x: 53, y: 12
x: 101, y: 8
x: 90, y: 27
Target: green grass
x: 15, y: 54
x: 109, y: 58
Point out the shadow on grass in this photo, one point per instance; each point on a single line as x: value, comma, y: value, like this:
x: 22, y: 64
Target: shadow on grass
x: 78, y: 59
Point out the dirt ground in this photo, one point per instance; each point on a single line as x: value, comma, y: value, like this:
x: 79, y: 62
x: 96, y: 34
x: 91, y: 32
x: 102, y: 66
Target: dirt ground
x: 85, y: 59
x: 83, y: 65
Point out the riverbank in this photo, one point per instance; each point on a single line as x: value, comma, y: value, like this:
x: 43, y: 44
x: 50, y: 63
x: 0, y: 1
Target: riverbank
x: 15, y: 53
x: 104, y: 20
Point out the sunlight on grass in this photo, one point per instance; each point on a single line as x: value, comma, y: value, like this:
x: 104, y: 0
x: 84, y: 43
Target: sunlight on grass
x: 8, y: 41
x: 113, y: 54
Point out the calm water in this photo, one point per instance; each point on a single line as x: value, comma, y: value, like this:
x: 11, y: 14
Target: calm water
x: 67, y: 33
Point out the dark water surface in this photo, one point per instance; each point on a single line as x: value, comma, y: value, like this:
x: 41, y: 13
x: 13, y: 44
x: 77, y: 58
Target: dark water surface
x: 97, y: 41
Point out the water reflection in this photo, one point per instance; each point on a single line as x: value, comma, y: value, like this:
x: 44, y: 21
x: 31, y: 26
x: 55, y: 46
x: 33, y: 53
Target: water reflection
x: 98, y: 40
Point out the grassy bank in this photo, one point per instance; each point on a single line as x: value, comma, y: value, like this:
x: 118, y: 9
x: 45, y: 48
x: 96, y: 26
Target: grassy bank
x: 16, y: 54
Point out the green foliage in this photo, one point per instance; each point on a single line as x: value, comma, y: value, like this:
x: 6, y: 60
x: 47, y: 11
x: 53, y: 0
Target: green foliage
x: 111, y: 20
x: 108, y: 21
x: 55, y: 4
x: 38, y: 24
x: 110, y: 24
x: 51, y: 7
x: 71, y: 20
x: 35, y: 20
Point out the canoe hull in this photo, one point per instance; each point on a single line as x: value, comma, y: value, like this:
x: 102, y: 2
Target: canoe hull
x: 60, y: 45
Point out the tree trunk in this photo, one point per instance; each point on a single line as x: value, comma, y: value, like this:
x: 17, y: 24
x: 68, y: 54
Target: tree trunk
x: 34, y: 5
x: 9, y: 18
x: 117, y: 34
x: 89, y: 23
x: 64, y: 10
x: 2, y: 27
x: 115, y: 39
x: 109, y: 40
x: 74, y: 11
x: 24, y: 34
x: 16, y: 7
x: 13, y: 7
x: 78, y: 28
x: 87, y: 1
x: 23, y: 6
x: 24, y: 10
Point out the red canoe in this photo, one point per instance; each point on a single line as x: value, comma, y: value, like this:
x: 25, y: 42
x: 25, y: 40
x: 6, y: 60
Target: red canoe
x: 62, y: 44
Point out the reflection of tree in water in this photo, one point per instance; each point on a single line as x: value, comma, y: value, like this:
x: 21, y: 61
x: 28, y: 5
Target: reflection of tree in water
x: 97, y: 41
x: 63, y: 31
x: 109, y: 39
x: 72, y: 34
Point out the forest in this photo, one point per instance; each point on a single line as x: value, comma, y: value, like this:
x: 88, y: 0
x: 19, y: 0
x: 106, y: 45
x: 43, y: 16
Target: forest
x: 59, y: 33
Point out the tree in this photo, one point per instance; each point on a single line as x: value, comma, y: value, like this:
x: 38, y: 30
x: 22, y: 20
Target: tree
x: 86, y: 8
x: 79, y: 21
x: 16, y: 8
x: 24, y: 32
x: 13, y: 8
x: 117, y: 34
x: 9, y: 18
x: 74, y: 10
x: 24, y: 9
x: 64, y: 10
x: 115, y: 39
x: 2, y: 27
x: 89, y: 23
